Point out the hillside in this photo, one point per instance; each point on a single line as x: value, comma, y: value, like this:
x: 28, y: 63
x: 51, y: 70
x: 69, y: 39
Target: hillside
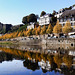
x: 8, y: 28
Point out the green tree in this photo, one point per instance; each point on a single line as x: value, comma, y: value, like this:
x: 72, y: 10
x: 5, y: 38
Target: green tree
x: 32, y: 18
x: 53, y: 20
x: 24, y: 20
x: 43, y: 13
x: 22, y: 28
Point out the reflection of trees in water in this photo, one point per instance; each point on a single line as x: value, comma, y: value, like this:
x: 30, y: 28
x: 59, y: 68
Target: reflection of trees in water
x: 5, y: 57
x: 44, y: 70
x: 31, y: 65
x: 68, y: 60
x: 58, y: 60
x: 54, y: 60
x: 67, y: 71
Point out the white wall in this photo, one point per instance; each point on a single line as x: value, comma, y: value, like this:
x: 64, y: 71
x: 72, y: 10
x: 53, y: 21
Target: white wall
x: 30, y: 26
x: 44, y: 20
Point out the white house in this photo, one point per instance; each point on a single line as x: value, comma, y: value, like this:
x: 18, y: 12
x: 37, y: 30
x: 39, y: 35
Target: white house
x: 45, y: 65
x: 31, y: 26
x: 73, y: 8
x: 59, y: 13
x: 45, y: 20
x: 67, y: 15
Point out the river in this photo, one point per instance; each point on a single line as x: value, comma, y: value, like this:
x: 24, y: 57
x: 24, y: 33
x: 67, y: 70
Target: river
x: 14, y: 61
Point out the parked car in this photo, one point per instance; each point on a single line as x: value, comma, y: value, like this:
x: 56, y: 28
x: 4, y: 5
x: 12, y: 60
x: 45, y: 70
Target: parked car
x: 62, y: 37
x: 72, y: 36
x: 31, y: 38
x: 54, y: 37
x: 49, y: 38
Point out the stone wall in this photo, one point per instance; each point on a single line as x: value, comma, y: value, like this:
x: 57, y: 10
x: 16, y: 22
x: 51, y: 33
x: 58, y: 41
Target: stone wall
x: 51, y: 43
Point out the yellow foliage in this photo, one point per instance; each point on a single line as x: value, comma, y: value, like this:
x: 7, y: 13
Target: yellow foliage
x: 67, y: 28
x: 43, y: 30
x: 57, y: 28
x: 49, y: 30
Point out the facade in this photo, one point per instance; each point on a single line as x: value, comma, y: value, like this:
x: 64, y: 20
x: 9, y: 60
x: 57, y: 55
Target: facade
x: 73, y: 7
x: 67, y: 15
x: 45, y: 20
x: 32, y: 26
x: 59, y: 13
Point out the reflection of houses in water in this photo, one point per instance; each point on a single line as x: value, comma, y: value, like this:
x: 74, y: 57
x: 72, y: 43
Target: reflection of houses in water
x: 45, y: 65
x: 72, y: 53
x: 63, y: 65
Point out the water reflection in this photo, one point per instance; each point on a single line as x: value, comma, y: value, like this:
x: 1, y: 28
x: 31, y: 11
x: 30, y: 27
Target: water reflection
x: 55, y: 61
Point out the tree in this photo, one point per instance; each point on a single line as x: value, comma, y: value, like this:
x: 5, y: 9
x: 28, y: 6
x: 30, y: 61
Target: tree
x: 32, y: 18
x: 67, y: 28
x: 54, y: 12
x: 67, y: 60
x: 49, y: 30
x: 24, y: 20
x: 38, y: 30
x: 57, y: 28
x: 34, y: 31
x: 29, y: 32
x: 58, y: 60
x: 53, y: 20
x: 43, y: 30
x: 22, y: 28
x: 43, y: 13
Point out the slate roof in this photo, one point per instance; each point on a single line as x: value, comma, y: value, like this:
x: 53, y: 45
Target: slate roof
x: 68, y: 13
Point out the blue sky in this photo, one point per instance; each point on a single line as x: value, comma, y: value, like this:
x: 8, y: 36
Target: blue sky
x: 12, y: 11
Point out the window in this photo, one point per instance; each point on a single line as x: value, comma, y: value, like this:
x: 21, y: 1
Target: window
x: 63, y: 24
x: 58, y: 40
x: 71, y: 24
x: 74, y: 23
x: 72, y: 44
x: 72, y: 19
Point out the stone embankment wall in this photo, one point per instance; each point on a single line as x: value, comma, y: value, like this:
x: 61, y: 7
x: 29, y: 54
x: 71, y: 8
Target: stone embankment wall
x: 60, y: 44
x: 51, y: 43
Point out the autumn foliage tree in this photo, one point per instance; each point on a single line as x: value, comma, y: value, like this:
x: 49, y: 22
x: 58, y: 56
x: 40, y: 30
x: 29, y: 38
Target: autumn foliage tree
x: 67, y: 60
x: 58, y: 60
x: 67, y: 28
x: 38, y: 30
x: 57, y: 28
x: 29, y: 32
x: 49, y: 30
x: 43, y: 30
x: 34, y: 31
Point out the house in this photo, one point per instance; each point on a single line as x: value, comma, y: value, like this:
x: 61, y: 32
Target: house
x: 45, y: 20
x: 32, y: 26
x: 67, y: 15
x: 73, y: 8
x: 59, y: 13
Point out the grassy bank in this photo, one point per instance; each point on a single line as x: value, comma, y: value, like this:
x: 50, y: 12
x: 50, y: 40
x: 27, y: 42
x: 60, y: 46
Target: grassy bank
x: 7, y: 42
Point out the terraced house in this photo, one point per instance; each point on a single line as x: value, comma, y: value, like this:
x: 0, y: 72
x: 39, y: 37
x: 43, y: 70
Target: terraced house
x: 67, y: 15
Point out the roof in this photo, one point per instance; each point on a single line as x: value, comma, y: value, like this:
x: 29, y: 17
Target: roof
x: 46, y: 15
x: 68, y: 12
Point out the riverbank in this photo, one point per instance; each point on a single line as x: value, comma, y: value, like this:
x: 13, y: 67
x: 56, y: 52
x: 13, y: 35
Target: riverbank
x: 8, y: 42
x: 54, y: 43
